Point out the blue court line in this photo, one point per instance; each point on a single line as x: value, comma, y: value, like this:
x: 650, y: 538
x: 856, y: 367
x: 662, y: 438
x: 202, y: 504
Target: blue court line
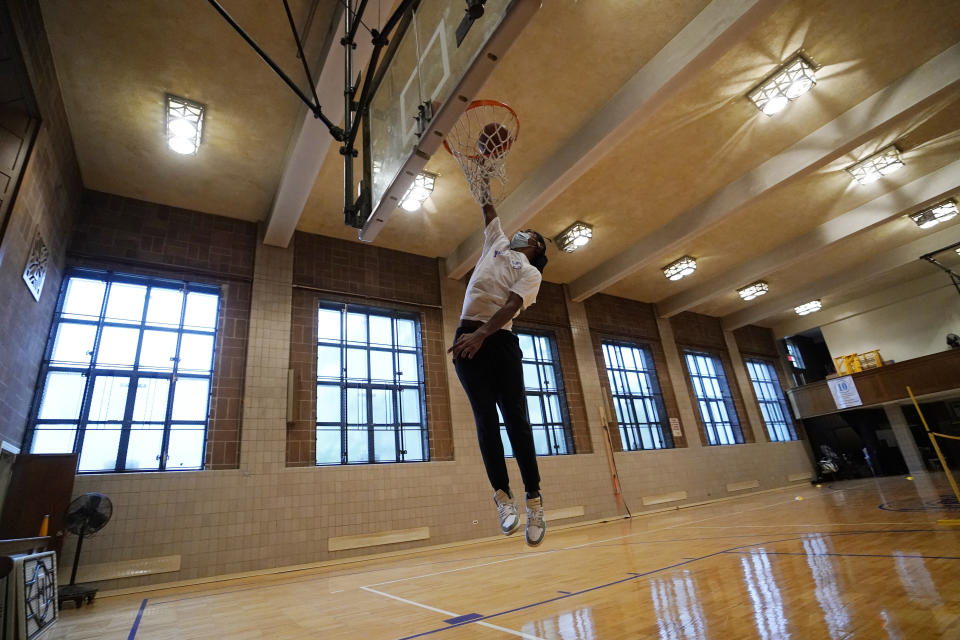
x: 566, y: 593
x: 635, y: 576
x: 851, y: 555
x: 136, y: 622
x: 467, y: 617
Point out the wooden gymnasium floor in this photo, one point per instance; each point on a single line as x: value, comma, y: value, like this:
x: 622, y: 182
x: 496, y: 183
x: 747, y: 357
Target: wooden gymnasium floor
x: 772, y: 565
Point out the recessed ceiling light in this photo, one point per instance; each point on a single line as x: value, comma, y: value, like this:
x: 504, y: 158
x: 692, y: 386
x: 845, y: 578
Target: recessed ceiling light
x: 809, y: 307
x: 754, y: 290
x: 882, y: 163
x: 936, y: 214
x: 184, y: 124
x: 680, y: 268
x: 419, y: 191
x: 790, y: 81
x: 575, y: 236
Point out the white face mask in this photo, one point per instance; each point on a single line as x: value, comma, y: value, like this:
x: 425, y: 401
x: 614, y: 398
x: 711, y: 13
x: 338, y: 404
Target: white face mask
x: 520, y: 240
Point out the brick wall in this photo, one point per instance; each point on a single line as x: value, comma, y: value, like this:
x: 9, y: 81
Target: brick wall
x: 364, y: 270
x: 757, y: 341
x: 143, y: 238
x: 46, y: 202
x: 613, y: 318
x: 332, y: 270
x: 705, y: 333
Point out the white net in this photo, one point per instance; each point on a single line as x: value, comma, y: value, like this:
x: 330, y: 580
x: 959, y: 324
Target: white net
x: 480, y: 141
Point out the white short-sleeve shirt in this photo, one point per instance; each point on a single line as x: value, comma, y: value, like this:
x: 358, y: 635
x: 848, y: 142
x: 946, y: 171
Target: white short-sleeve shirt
x: 499, y: 272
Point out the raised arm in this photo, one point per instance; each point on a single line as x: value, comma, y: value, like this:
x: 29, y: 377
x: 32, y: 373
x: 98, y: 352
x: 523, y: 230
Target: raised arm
x: 489, y: 213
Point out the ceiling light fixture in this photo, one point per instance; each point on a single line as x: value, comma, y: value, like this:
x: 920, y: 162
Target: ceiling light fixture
x: 419, y: 191
x: 184, y: 124
x: 810, y: 307
x: 936, y: 214
x: 680, y: 268
x: 787, y: 83
x: 754, y: 290
x: 575, y: 236
x: 882, y: 163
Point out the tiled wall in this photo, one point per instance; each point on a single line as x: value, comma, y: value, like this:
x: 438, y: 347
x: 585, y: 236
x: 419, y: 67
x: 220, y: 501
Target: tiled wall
x: 269, y: 514
x: 46, y: 203
x: 132, y: 236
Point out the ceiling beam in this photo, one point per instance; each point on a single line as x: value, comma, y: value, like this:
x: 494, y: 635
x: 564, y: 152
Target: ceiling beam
x: 718, y: 27
x: 890, y: 260
x: 891, y: 205
x: 311, y: 142
x: 824, y: 145
x: 864, y: 304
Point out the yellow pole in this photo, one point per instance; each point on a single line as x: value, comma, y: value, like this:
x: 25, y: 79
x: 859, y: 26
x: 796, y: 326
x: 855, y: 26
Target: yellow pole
x: 936, y: 447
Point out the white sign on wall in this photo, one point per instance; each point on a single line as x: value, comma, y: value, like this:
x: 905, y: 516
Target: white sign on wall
x: 844, y: 392
x: 675, y: 428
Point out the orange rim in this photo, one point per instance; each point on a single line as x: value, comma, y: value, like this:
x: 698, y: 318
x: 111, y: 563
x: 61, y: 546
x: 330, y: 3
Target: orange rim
x: 487, y: 103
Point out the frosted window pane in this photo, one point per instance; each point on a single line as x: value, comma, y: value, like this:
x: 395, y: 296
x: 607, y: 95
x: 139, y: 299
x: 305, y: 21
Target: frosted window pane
x: 328, y: 328
x: 328, y: 362
x: 381, y: 365
x: 84, y: 298
x: 409, y: 370
x: 158, y: 350
x: 62, y: 396
x: 201, y: 311
x: 109, y: 401
x: 358, y: 448
x: 100, y: 444
x: 185, y: 449
x: 118, y: 348
x: 413, y: 444
x: 73, y: 345
x: 328, y: 404
x: 125, y: 302
x: 196, y: 353
x: 143, y: 447
x: 164, y: 306
x: 54, y: 438
x: 151, y: 402
x: 385, y: 445
x: 406, y: 333
x: 410, y: 405
x: 381, y: 330
x: 356, y: 327
x: 190, y: 399
x: 328, y: 446
x: 357, y: 364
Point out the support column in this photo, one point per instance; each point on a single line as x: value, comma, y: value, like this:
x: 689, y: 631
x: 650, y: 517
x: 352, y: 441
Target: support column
x: 263, y: 443
x: 587, y: 369
x: 901, y: 431
x: 678, y: 374
x: 746, y: 388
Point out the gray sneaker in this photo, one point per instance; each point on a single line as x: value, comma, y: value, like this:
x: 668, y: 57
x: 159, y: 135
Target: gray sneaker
x: 509, y: 518
x: 536, y: 525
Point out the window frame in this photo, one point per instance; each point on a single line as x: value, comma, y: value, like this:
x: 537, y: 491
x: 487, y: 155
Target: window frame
x: 725, y: 400
x: 564, y: 424
x: 132, y: 373
x: 656, y: 397
x: 397, y: 386
x: 779, y: 400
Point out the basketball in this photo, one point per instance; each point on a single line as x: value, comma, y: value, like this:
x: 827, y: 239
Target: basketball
x: 494, y: 140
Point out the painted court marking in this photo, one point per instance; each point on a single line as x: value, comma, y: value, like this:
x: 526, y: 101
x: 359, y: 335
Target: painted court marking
x: 471, y: 618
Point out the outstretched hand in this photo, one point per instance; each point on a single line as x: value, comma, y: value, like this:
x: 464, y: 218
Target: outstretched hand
x: 467, y: 345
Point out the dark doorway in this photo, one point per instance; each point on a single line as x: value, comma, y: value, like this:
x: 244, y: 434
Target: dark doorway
x: 942, y: 417
x: 808, y: 356
x: 860, y: 441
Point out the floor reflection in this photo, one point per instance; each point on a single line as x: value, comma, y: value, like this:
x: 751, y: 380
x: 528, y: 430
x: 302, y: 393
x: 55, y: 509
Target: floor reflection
x: 569, y: 625
x: 827, y: 590
x: 916, y: 580
x: 764, y: 595
x: 677, y: 606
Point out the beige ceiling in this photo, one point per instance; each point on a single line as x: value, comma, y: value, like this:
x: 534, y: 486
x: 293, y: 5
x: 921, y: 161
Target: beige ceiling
x: 116, y: 59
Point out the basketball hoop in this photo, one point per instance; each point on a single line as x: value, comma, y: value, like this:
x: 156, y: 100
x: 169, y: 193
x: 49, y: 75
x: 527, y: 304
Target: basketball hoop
x: 480, y: 141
